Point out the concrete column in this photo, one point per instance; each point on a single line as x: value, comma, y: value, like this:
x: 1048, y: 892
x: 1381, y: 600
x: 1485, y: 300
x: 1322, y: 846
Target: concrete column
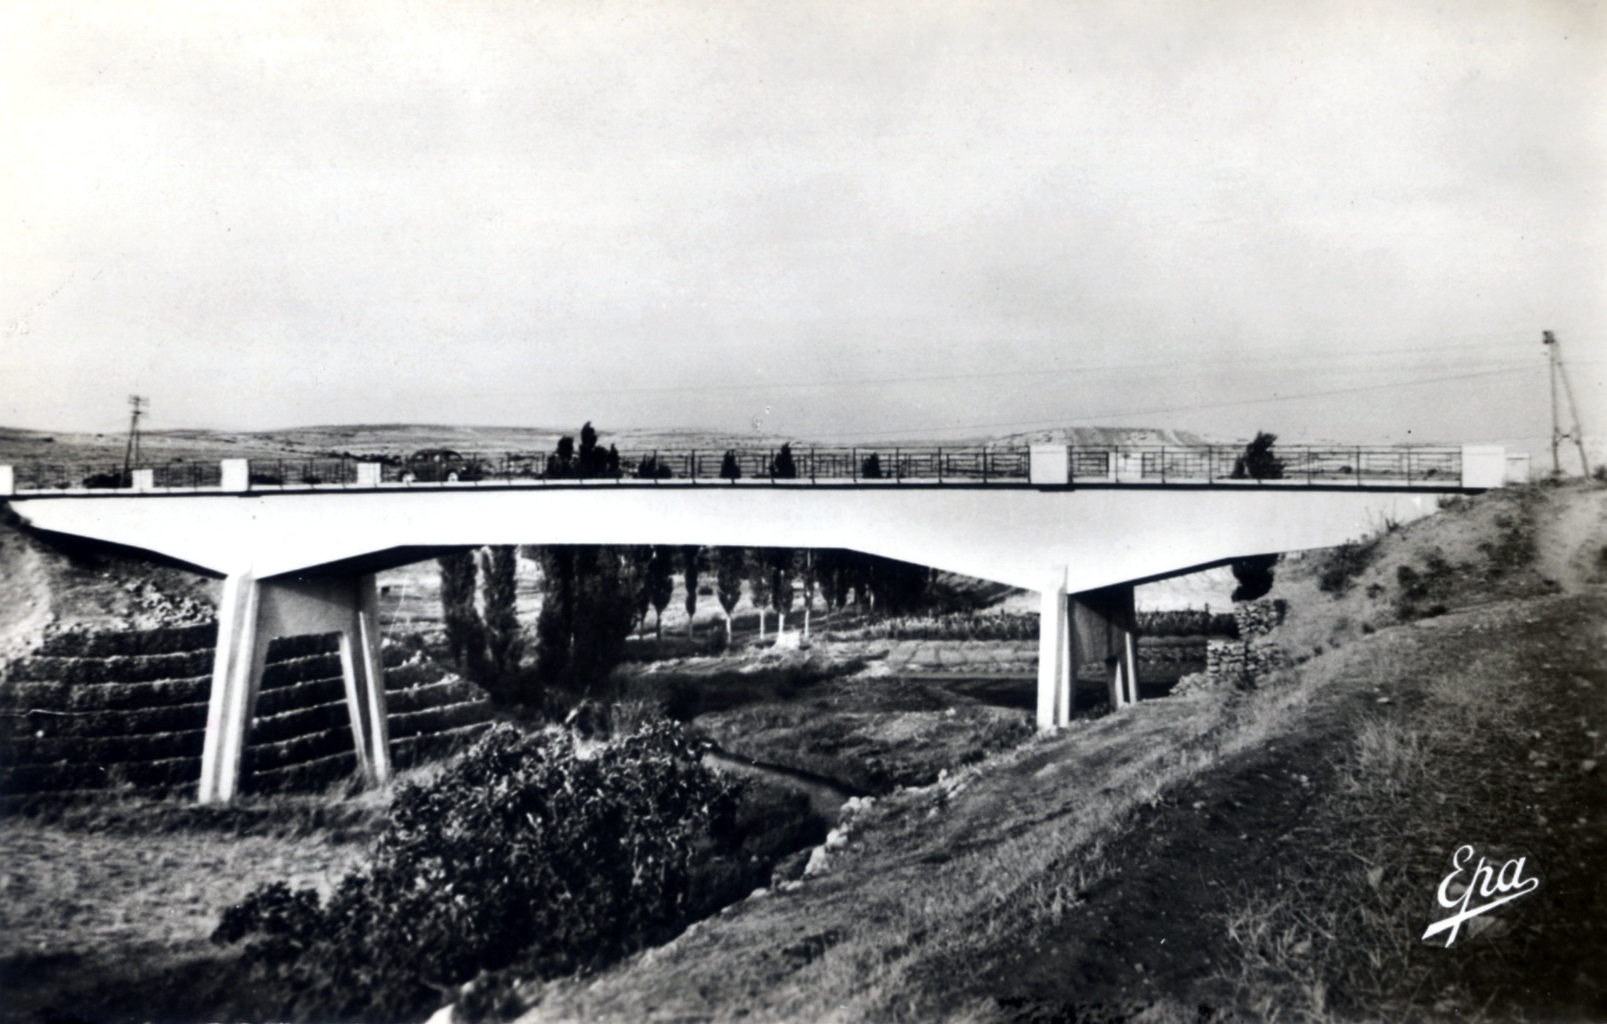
x: 143, y: 480
x: 254, y: 612
x: 1055, y: 680
x: 364, y: 674
x: 8, y: 481
x: 368, y: 474
x: 236, y: 675
x: 1102, y: 639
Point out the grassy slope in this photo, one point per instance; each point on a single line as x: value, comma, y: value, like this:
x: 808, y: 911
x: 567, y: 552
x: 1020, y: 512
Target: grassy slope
x: 1284, y: 843
x: 106, y: 909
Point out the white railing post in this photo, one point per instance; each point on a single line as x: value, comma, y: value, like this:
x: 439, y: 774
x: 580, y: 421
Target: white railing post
x: 368, y: 474
x: 8, y: 481
x: 236, y: 475
x: 1048, y: 465
x: 1483, y: 465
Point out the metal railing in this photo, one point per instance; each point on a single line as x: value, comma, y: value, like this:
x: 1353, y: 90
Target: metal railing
x: 1300, y: 464
x: 1209, y: 465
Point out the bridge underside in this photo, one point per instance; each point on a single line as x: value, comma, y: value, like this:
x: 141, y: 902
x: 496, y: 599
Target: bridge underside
x: 304, y: 562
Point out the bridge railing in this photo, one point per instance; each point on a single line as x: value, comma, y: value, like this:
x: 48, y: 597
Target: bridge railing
x: 1428, y: 466
x: 1208, y: 465
x: 267, y: 474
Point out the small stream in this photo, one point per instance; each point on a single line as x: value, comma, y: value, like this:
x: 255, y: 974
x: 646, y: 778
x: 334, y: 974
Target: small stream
x: 826, y: 796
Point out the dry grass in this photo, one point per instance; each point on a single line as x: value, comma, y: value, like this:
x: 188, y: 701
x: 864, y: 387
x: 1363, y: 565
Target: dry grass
x: 1337, y: 937
x: 941, y: 877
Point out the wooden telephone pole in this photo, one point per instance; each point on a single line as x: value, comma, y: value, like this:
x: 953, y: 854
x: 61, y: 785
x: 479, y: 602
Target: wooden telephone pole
x: 1558, y: 435
x: 131, y: 451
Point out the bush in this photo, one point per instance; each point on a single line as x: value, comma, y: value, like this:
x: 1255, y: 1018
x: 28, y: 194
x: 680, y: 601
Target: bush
x: 1344, y: 563
x: 520, y: 854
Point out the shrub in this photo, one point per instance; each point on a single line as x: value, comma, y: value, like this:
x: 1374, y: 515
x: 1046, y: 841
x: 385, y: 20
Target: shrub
x: 782, y: 467
x: 1344, y: 563
x: 1255, y: 577
x: 522, y: 853
x: 1258, y: 462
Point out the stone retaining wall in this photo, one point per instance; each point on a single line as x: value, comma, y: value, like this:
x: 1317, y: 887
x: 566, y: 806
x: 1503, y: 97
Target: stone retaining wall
x: 88, y: 712
x: 1241, y: 662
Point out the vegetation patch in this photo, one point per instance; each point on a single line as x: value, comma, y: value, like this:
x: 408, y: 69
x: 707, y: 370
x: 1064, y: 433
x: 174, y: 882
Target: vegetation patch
x: 529, y: 854
x: 1451, y: 755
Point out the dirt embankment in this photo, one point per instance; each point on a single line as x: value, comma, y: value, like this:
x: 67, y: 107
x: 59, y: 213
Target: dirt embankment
x: 1271, y: 854
x: 50, y: 586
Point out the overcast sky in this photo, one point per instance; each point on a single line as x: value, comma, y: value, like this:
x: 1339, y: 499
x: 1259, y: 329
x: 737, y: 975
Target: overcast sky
x: 1343, y: 220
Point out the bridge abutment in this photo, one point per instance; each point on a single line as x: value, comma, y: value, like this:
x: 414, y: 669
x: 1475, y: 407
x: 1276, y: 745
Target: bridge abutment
x: 254, y: 612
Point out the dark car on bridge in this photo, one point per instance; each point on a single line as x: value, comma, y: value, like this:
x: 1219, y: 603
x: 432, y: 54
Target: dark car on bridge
x: 442, y: 465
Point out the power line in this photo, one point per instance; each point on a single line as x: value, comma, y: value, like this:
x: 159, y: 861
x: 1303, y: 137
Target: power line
x: 1064, y: 420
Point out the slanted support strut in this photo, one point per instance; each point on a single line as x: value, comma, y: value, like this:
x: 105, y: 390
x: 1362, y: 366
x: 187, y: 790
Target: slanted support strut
x: 254, y: 612
x: 236, y: 675
x: 1103, y: 640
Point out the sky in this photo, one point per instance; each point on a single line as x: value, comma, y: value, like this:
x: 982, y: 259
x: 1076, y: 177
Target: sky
x: 1335, y: 221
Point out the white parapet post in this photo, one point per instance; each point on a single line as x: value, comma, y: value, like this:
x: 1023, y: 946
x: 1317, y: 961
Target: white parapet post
x: 144, y: 480
x: 236, y: 475
x: 1484, y: 465
x: 8, y: 481
x: 1049, y: 465
x: 1517, y: 468
x: 368, y: 474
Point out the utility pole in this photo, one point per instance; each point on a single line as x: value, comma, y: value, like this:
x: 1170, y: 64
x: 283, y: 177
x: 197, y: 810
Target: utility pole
x: 137, y: 403
x: 1558, y: 435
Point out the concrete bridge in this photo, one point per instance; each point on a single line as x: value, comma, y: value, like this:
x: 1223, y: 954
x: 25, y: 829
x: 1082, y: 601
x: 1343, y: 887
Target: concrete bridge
x: 298, y: 550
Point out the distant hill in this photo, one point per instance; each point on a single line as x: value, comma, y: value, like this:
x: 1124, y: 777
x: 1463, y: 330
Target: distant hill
x: 400, y: 439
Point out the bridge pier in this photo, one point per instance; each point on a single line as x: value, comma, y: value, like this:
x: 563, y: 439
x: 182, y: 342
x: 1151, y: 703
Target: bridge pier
x: 1091, y: 627
x: 252, y: 613
x: 1102, y: 633
x: 1056, y: 679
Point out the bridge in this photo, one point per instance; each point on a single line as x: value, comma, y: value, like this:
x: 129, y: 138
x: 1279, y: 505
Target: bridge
x: 298, y: 543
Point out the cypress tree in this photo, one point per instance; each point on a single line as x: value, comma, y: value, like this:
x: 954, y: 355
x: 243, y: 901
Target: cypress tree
x: 781, y: 574
x: 1258, y: 462
x: 757, y: 569
x: 692, y: 566
x: 660, y: 586
x: 782, y: 467
x: 728, y: 564
x: 465, y: 633
x: 504, y: 641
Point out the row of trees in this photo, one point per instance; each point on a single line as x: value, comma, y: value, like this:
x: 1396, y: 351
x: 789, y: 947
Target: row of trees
x: 595, y: 595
